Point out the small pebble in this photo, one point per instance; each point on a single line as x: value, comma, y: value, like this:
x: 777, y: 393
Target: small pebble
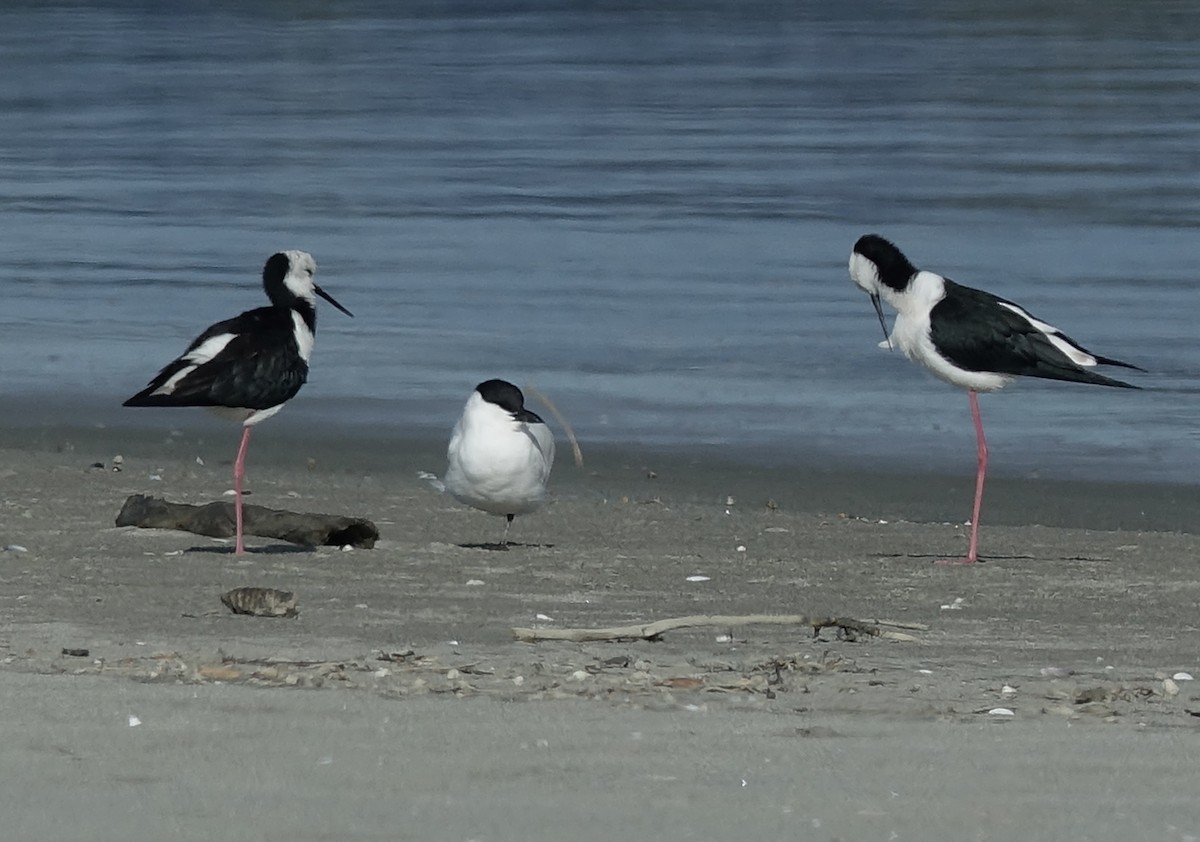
x: 200, y: 461
x: 741, y: 548
x: 518, y: 680
x: 580, y: 675
x: 474, y: 583
x: 1008, y: 691
x: 134, y: 721
x: 1170, y: 688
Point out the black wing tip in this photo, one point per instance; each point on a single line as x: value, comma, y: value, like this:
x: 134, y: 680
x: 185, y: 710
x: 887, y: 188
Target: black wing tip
x: 1101, y: 380
x: 1119, y: 364
x: 137, y: 401
x: 148, y: 398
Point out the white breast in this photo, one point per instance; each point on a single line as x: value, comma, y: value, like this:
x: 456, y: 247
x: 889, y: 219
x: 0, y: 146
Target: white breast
x: 911, y: 335
x: 304, y: 336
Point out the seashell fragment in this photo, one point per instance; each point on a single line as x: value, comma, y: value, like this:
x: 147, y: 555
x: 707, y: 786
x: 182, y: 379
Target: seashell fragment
x: 218, y: 672
x: 261, y: 602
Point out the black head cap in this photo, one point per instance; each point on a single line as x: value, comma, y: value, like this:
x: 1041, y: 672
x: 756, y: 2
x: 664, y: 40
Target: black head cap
x: 894, y: 268
x: 276, y: 269
x: 508, y: 397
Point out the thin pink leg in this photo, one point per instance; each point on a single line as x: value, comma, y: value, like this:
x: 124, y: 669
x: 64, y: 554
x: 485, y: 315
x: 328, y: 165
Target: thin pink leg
x: 239, y: 473
x: 982, y: 452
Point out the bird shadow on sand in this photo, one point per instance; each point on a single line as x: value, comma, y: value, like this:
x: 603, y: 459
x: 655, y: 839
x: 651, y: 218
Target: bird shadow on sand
x: 270, y: 549
x: 985, y: 559
x: 942, y: 556
x: 495, y: 547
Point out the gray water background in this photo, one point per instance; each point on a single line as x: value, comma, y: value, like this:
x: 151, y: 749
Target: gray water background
x: 645, y: 209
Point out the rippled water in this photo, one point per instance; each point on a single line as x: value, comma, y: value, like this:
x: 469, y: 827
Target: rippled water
x: 643, y: 209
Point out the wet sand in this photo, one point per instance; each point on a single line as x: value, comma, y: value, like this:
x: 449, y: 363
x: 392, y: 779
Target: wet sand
x: 398, y: 706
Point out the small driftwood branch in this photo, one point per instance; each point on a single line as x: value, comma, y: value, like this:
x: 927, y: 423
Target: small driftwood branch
x: 217, y: 521
x: 652, y: 631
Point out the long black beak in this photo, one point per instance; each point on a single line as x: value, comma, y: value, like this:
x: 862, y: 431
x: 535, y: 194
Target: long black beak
x: 882, y: 323
x: 329, y: 298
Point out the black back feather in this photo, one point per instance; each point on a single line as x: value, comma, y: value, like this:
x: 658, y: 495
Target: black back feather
x: 259, y: 368
x: 972, y: 331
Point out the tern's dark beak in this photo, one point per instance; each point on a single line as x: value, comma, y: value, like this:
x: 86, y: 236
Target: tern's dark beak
x: 329, y: 298
x: 882, y: 323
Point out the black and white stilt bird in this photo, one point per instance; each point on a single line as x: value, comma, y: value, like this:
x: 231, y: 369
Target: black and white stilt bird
x: 968, y: 338
x: 248, y: 367
x: 500, y: 454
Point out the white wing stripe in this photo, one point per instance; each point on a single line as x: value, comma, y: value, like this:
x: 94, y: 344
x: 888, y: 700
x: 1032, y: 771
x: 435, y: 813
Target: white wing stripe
x: 198, y: 356
x: 209, y: 348
x: 174, y: 380
x: 1072, y: 352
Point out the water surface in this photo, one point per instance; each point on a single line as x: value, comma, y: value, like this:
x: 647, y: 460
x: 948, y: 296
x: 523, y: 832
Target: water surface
x: 644, y: 210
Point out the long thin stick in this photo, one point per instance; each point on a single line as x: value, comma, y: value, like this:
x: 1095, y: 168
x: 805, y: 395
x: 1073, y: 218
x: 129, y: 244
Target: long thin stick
x: 650, y: 631
x: 558, y: 415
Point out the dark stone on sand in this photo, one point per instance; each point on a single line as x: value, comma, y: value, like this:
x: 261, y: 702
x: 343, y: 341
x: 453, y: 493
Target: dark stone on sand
x: 217, y: 521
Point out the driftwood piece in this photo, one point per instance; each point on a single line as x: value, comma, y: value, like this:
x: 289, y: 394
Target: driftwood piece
x: 261, y: 602
x: 652, y: 631
x: 217, y: 521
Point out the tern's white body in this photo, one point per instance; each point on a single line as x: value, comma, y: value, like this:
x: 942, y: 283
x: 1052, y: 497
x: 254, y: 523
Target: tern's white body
x: 497, y: 463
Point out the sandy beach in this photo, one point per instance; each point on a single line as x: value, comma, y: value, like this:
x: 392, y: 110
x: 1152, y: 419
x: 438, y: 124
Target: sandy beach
x: 398, y: 706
